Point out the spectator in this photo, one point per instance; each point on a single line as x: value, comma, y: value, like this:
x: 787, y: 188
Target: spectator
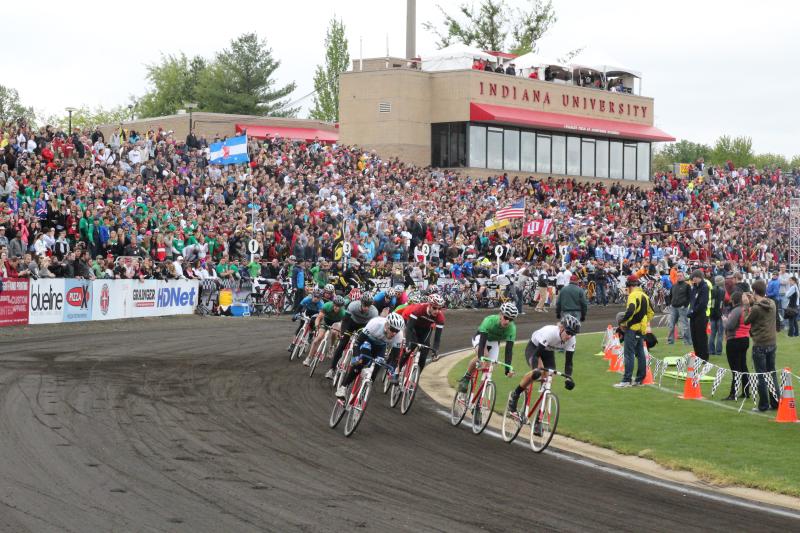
x: 572, y: 300
x: 715, y: 316
x: 699, y: 311
x: 792, y: 300
x: 679, y: 307
x: 774, y: 294
x: 760, y: 315
x: 738, y: 341
x: 634, y: 322
x: 511, y: 70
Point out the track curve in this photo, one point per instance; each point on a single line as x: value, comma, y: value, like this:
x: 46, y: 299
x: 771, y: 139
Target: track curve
x: 203, y: 424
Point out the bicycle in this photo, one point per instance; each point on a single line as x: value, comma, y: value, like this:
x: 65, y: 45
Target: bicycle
x: 321, y: 353
x: 343, y: 366
x: 544, y: 412
x: 301, y: 339
x: 406, y: 387
x: 479, y: 398
x: 357, y: 397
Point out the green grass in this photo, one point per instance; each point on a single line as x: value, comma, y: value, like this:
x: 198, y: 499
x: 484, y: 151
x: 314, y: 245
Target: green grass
x: 715, y: 442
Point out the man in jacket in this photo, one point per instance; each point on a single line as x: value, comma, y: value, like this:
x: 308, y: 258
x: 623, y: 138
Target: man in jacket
x: 699, y: 311
x: 299, y: 283
x: 679, y: 306
x: 715, y: 318
x: 760, y: 315
x: 572, y: 300
x: 774, y: 294
x: 634, y: 322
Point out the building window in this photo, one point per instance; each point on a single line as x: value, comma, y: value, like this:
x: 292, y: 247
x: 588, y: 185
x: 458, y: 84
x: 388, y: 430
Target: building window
x: 615, y: 170
x: 448, y: 144
x: 477, y: 146
x: 511, y: 150
x: 559, y: 154
x: 574, y: 156
x: 601, y: 159
x: 587, y: 157
x: 439, y: 145
x: 494, y: 148
x: 543, y: 153
x: 527, y: 150
x: 629, y: 162
x: 458, y: 145
x: 643, y: 162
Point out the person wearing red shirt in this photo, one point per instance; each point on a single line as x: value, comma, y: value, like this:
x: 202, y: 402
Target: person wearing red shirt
x: 421, y: 320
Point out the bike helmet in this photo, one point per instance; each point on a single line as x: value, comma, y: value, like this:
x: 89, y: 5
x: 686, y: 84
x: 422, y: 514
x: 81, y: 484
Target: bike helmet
x: 329, y: 287
x: 355, y: 294
x: 366, y: 299
x: 338, y: 300
x: 414, y: 298
x: 395, y: 321
x: 433, y: 289
x: 316, y: 293
x: 389, y: 292
x: 509, y: 310
x: 571, y: 324
x: 399, y: 288
x: 436, y: 299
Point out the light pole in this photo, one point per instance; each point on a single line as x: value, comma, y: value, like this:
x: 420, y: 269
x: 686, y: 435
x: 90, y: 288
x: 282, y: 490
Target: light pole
x: 130, y: 110
x: 70, y: 110
x: 191, y: 106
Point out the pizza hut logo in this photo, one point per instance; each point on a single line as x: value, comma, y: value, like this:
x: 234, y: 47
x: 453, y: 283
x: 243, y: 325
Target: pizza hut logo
x: 79, y: 297
x: 105, y: 299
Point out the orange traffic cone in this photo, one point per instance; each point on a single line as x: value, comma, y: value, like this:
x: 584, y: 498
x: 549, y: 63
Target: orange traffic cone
x: 615, y: 364
x: 786, y: 408
x: 648, y: 378
x: 691, y: 389
x: 612, y: 349
x: 607, y: 339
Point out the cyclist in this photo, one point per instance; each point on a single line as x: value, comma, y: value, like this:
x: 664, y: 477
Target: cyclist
x: 493, y: 329
x: 421, y: 319
x: 379, y: 333
x: 385, y: 301
x: 331, y: 313
x: 540, y: 354
x: 328, y: 293
x: 414, y: 297
x: 358, y: 313
x: 308, y: 307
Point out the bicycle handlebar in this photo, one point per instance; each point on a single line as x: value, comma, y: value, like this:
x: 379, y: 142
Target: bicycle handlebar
x: 487, y: 360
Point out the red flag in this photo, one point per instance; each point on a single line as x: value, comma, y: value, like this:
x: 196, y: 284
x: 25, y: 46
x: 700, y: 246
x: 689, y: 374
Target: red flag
x: 537, y: 228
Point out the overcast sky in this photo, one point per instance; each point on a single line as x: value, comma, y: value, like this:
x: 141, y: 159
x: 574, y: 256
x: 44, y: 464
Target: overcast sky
x: 713, y: 67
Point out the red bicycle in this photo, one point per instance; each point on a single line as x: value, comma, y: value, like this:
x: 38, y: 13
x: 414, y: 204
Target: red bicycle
x: 343, y: 365
x: 301, y: 339
x: 542, y: 415
x: 321, y: 353
x: 357, y: 397
x: 479, y: 398
x: 406, y: 387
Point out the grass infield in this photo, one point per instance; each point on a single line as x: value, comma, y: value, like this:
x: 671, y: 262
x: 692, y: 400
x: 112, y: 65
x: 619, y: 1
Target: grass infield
x: 709, y: 438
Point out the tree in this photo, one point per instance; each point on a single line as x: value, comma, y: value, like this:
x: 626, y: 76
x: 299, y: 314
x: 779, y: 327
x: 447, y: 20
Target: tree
x: 326, y: 78
x: 680, y: 152
x: 11, y: 108
x: 87, y: 118
x: 737, y: 150
x: 495, y: 26
x: 771, y: 161
x: 240, y: 81
x: 174, y: 82
x: 795, y: 162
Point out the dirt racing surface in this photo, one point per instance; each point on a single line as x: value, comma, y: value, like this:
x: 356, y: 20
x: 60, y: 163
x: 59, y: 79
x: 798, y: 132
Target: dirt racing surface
x: 203, y: 424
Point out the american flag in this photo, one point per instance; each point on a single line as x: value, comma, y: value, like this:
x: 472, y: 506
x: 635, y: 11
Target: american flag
x: 515, y: 210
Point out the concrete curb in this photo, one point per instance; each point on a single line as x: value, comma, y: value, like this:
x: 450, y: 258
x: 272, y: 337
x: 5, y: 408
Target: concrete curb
x: 434, y: 383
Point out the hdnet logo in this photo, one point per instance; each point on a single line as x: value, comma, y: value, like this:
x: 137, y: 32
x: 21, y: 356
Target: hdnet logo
x: 176, y: 297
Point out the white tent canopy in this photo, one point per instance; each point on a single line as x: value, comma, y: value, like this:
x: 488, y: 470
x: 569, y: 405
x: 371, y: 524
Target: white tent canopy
x: 593, y: 60
x: 454, y: 57
x: 532, y: 59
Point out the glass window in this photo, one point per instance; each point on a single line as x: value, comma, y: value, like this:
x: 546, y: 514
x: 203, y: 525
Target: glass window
x: 559, y: 154
x: 511, y: 150
x: 601, y: 159
x: 494, y: 149
x: 439, y: 145
x: 616, y: 160
x: 629, y: 163
x: 527, y: 150
x: 543, y: 153
x: 573, y: 156
x: 456, y: 151
x: 477, y: 146
x: 643, y: 162
x: 587, y: 157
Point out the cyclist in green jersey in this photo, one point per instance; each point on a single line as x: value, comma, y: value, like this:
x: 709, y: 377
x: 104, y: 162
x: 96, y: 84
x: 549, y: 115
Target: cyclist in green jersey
x: 331, y: 313
x: 493, y: 330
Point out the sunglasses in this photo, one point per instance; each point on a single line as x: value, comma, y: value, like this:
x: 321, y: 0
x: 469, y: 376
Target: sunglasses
x: 435, y: 308
x: 393, y: 330
x: 507, y: 319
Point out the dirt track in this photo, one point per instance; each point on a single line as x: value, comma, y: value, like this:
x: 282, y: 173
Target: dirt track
x: 203, y: 424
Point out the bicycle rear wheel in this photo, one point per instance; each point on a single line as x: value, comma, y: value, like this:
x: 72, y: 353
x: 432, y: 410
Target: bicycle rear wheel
x: 410, y: 390
x: 459, y: 407
x: 395, y: 391
x: 548, y: 416
x: 318, y: 357
x: 385, y: 380
x: 336, y: 413
x: 356, y: 412
x: 299, y: 348
x: 482, y: 412
x: 513, y: 422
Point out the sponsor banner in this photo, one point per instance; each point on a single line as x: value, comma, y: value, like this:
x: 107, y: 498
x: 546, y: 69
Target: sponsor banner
x: 381, y: 283
x: 47, y: 301
x: 108, y: 302
x: 77, y: 300
x: 177, y: 297
x: 140, y: 298
x: 14, y: 302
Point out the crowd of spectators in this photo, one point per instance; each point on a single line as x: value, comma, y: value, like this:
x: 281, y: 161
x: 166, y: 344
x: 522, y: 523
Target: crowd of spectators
x: 149, y: 205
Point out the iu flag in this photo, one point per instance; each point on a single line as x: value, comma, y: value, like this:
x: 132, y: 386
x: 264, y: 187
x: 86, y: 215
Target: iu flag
x: 537, y: 228
x: 515, y: 210
x: 232, y: 151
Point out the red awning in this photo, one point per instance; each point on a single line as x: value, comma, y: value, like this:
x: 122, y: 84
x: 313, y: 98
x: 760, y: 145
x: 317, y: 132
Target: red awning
x: 302, y: 134
x: 570, y: 123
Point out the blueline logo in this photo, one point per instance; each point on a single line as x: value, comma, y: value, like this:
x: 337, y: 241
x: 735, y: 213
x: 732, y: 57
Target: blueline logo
x: 176, y: 296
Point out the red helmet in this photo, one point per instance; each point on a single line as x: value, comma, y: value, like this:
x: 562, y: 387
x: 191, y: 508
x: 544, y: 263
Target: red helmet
x: 633, y: 281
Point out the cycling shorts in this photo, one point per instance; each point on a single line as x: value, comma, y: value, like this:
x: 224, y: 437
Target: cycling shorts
x: 492, y: 347
x: 534, y: 353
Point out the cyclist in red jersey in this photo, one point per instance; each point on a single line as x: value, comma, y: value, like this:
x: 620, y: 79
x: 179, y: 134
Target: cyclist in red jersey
x: 421, y: 320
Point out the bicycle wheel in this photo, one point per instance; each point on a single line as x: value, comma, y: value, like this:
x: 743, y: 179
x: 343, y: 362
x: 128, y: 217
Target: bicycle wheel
x: 549, y: 420
x: 299, y: 348
x: 336, y: 413
x: 513, y: 422
x: 459, y: 407
x: 356, y: 412
x: 318, y: 357
x: 482, y: 412
x: 395, y: 392
x: 410, y: 390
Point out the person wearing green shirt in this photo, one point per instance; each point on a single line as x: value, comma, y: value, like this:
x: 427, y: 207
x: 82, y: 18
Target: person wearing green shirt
x: 331, y: 313
x: 254, y: 267
x: 319, y: 273
x: 493, y: 330
x: 226, y: 270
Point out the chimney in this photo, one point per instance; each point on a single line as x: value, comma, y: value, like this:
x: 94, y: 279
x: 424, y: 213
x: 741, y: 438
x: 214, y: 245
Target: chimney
x: 411, y: 29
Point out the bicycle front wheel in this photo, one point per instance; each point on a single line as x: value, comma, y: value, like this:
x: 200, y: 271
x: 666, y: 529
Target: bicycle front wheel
x: 544, y: 422
x: 318, y: 357
x: 356, y: 412
x: 459, y: 407
x: 336, y: 413
x: 410, y: 390
x: 513, y: 421
x: 482, y: 412
x: 385, y: 380
x: 394, y: 393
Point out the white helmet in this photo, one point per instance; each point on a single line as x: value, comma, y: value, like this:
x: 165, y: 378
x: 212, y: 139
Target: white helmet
x: 509, y: 310
x: 395, y: 321
x: 436, y: 299
x: 399, y: 288
x: 390, y: 292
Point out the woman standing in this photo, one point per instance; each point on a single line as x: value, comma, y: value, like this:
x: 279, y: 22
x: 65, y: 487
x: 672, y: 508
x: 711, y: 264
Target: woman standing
x: 790, y: 313
x: 738, y: 335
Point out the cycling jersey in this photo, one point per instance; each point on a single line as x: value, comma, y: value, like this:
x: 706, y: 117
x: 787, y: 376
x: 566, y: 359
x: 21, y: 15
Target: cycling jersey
x: 381, y: 301
x: 331, y: 316
x: 495, y: 331
x: 549, y: 337
x: 310, y: 306
x: 419, y: 312
x: 375, y: 330
x: 358, y: 316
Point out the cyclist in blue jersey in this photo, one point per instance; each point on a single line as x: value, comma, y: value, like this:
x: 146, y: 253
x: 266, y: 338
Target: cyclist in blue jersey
x: 308, y: 307
x: 385, y: 301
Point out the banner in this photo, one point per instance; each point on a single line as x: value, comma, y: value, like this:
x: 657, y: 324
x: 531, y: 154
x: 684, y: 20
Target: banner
x: 77, y: 300
x: 683, y: 169
x: 493, y: 225
x: 109, y: 299
x: 537, y: 228
x: 232, y: 151
x: 14, y: 302
x: 46, y: 301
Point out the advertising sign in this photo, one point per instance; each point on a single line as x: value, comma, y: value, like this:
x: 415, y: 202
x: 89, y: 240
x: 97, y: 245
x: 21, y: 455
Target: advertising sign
x: 46, y: 301
x: 77, y: 300
x: 14, y: 302
x: 109, y: 299
x: 140, y: 298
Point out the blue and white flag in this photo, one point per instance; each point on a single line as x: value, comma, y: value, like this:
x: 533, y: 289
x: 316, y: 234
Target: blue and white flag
x: 232, y: 151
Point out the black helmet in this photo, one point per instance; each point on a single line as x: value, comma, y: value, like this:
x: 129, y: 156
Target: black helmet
x: 571, y: 324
